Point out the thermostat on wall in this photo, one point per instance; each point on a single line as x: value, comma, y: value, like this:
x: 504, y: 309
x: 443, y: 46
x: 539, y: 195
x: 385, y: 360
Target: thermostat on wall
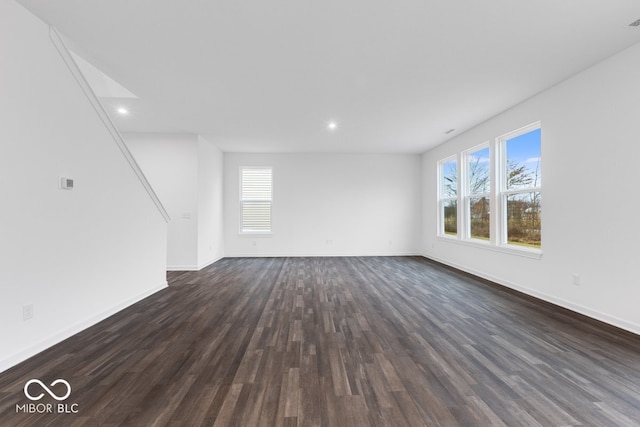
x: 66, y: 183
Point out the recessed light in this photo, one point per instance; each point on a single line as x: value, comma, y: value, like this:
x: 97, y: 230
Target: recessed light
x: 332, y: 125
x: 123, y: 111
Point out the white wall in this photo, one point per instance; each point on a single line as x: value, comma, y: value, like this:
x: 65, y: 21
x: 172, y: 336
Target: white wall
x: 210, y: 201
x: 79, y: 255
x: 590, y: 154
x: 185, y: 171
x: 170, y: 163
x: 330, y: 204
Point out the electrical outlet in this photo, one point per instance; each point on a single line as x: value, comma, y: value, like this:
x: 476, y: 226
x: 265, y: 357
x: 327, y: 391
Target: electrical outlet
x: 66, y: 183
x: 576, y: 279
x: 27, y: 311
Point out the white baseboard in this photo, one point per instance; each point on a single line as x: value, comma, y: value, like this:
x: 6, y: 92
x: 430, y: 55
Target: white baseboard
x: 319, y: 255
x: 182, y: 268
x: 586, y: 311
x: 31, y: 351
x: 208, y: 263
x: 193, y: 267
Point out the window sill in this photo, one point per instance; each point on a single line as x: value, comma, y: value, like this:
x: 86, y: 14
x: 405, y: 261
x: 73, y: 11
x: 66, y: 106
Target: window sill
x: 505, y: 249
x: 255, y: 234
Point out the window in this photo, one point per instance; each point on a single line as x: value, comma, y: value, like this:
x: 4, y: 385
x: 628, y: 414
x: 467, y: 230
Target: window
x: 520, y: 193
x: 448, y: 197
x: 478, y: 189
x: 498, y: 187
x: 255, y: 199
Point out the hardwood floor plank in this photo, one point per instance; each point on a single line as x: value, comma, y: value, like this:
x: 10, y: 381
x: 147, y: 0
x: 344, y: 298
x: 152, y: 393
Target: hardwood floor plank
x: 362, y: 341
x: 224, y: 417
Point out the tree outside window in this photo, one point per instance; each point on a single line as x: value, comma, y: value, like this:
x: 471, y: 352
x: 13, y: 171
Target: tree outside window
x: 522, y: 193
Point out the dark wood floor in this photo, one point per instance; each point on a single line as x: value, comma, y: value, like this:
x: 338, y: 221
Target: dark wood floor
x: 394, y: 341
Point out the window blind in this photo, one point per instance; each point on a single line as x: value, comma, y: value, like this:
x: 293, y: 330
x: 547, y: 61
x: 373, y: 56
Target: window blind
x: 255, y: 199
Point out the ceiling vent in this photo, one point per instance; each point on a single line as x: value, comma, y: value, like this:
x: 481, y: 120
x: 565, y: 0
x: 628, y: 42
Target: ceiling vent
x: 635, y: 23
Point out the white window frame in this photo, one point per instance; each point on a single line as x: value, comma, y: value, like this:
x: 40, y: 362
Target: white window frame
x: 497, y: 197
x: 503, y: 192
x: 467, y: 195
x: 442, y: 199
x: 242, y: 201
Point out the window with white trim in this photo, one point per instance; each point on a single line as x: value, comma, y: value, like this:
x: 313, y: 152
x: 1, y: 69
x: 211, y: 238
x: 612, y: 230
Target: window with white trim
x: 520, y: 194
x: 256, y: 188
x: 448, y: 197
x: 498, y: 190
x: 478, y: 193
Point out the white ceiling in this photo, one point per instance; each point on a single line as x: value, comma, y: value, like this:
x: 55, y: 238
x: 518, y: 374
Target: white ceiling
x: 267, y: 76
